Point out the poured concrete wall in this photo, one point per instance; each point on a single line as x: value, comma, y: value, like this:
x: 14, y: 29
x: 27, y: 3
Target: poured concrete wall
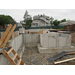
x: 31, y: 40
x: 16, y: 43
x: 16, y: 33
x: 53, y: 40
x: 36, y: 30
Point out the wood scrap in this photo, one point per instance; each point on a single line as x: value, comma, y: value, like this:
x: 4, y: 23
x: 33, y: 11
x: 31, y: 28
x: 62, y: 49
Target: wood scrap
x: 71, y: 53
x: 64, y: 61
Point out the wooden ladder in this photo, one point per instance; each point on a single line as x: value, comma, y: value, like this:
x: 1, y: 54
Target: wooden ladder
x: 8, y: 37
x: 12, y: 60
x: 5, y: 34
x: 3, y: 41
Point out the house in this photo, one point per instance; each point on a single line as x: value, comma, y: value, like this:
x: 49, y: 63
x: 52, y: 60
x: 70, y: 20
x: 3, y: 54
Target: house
x: 40, y: 20
x: 19, y: 25
x: 67, y: 23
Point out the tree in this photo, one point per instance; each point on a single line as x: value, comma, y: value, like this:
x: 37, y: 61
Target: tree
x: 69, y: 20
x: 64, y: 20
x: 27, y: 19
x: 51, y: 20
x: 27, y: 16
x: 6, y: 19
x: 28, y: 23
x: 56, y: 22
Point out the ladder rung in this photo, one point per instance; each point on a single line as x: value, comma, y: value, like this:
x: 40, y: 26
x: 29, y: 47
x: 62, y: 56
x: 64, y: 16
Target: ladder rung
x: 8, y: 57
x: 9, y: 50
x: 14, y: 56
x: 19, y: 62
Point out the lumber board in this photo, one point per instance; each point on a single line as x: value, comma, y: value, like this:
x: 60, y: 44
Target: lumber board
x: 22, y: 62
x: 19, y: 62
x: 18, y: 57
x: 5, y: 34
x: 14, y: 56
x: 11, y: 60
x: 8, y: 36
x: 10, y: 50
x: 71, y: 53
x: 64, y: 61
x: 8, y: 57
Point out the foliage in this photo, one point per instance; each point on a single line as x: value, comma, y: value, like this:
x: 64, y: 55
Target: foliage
x: 51, y: 20
x: 64, y: 20
x: 6, y: 19
x: 27, y: 19
x: 28, y: 23
x: 56, y: 22
x: 27, y: 16
x: 69, y: 20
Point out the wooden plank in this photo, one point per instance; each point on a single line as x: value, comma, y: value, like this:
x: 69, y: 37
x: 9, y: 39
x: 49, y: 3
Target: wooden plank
x: 14, y: 56
x: 10, y: 50
x: 71, y: 53
x: 8, y: 36
x: 5, y: 34
x: 64, y: 61
x: 18, y: 57
x: 14, y: 52
x: 22, y: 62
x: 8, y: 57
x: 19, y: 62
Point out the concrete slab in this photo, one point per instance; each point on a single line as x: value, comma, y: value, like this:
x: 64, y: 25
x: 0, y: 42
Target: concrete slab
x: 53, y: 50
x: 31, y: 44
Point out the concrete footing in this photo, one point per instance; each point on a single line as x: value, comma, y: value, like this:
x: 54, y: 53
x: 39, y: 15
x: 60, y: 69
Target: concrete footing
x: 53, y: 50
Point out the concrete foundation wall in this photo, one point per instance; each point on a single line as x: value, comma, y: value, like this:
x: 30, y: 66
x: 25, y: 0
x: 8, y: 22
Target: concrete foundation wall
x: 31, y: 40
x: 16, y: 43
x: 36, y: 30
x: 53, y: 40
x: 14, y: 34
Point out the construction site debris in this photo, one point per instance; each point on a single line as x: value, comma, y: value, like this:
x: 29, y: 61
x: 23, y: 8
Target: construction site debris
x: 70, y: 28
x: 64, y: 61
x: 59, y: 55
x: 31, y: 56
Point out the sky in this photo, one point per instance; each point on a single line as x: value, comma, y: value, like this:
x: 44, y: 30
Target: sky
x: 58, y: 14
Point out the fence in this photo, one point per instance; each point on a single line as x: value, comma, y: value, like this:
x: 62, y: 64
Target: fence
x: 3, y: 30
x: 47, y: 27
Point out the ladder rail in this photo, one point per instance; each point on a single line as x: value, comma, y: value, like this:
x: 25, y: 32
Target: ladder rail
x: 5, y: 34
x: 12, y: 60
x: 8, y: 57
x: 8, y: 37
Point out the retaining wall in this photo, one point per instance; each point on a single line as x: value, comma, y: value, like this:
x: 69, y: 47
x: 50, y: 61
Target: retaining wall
x: 16, y: 43
x: 31, y: 40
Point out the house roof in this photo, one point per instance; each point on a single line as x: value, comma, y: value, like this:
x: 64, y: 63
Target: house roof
x: 38, y: 17
x: 67, y: 23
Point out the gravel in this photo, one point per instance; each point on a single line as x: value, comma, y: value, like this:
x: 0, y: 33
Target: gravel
x: 31, y: 56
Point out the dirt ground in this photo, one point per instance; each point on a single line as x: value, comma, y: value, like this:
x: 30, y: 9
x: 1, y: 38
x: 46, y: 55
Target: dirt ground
x: 31, y: 56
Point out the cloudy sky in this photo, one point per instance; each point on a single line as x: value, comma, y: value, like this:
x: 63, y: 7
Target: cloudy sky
x: 59, y: 14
